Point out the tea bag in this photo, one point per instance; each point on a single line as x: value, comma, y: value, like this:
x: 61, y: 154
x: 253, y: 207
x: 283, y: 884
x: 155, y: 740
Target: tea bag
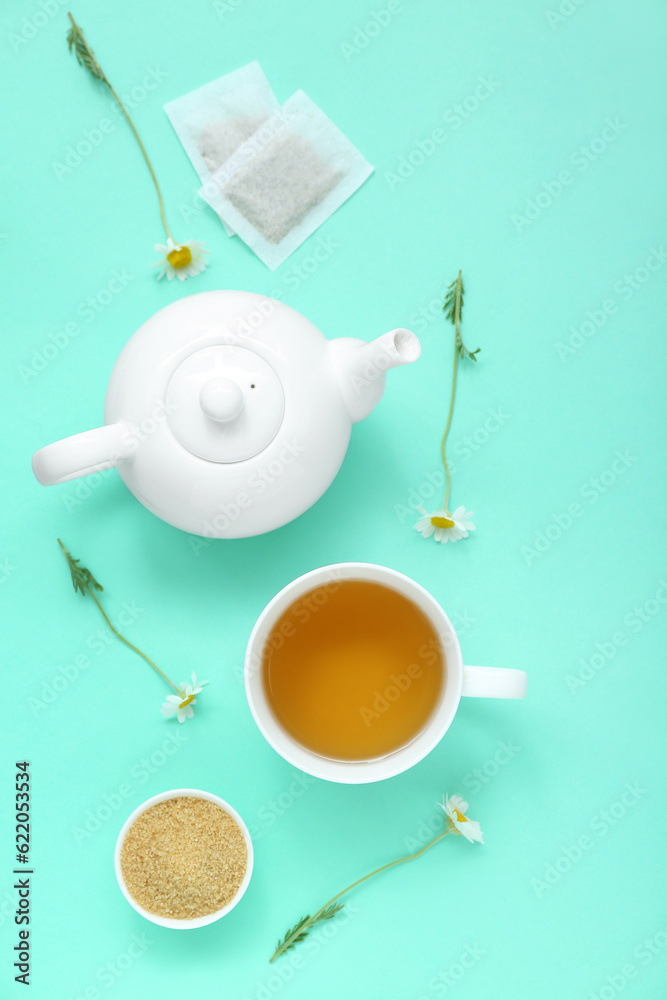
x: 214, y: 120
x: 286, y: 179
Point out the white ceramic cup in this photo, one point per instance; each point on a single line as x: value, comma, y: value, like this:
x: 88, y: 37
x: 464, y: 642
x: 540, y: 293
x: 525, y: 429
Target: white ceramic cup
x: 474, y: 682
x: 209, y: 918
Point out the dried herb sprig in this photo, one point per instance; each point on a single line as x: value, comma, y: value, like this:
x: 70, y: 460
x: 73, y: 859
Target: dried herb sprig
x: 179, y: 704
x: 85, y: 583
x: 453, y: 308
x: 76, y: 42
x: 300, y: 930
x: 456, y: 822
x: 443, y: 525
x: 181, y: 259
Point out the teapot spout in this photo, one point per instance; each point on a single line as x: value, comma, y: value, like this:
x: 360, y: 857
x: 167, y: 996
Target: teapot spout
x: 360, y: 367
x: 82, y: 454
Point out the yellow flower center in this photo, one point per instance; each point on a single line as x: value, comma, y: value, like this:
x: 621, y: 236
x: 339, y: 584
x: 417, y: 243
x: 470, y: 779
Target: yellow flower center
x: 442, y: 522
x: 180, y: 257
x: 460, y: 817
x: 187, y: 701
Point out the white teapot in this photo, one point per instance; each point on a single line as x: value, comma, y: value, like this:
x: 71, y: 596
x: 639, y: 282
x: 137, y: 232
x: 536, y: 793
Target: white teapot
x: 228, y: 414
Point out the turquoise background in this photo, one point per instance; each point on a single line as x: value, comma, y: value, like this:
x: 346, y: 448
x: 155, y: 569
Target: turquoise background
x: 537, y: 910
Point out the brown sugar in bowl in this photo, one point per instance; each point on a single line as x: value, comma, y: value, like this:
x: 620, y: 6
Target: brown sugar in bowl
x: 183, y: 858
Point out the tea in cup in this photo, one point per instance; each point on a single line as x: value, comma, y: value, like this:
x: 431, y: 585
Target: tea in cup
x: 353, y: 673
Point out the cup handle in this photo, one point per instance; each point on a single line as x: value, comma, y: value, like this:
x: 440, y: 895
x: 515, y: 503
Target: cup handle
x: 494, y: 682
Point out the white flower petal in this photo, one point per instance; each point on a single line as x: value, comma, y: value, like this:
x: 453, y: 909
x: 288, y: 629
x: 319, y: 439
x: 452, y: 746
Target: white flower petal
x: 459, y: 529
x: 426, y: 527
x: 472, y: 831
x: 195, y: 266
x: 457, y: 802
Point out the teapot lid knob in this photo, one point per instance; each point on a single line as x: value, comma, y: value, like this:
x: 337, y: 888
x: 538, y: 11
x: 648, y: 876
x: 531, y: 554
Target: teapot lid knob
x: 221, y: 399
x: 225, y: 403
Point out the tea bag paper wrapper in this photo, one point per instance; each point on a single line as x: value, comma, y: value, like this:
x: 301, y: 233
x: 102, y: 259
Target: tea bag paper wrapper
x: 214, y: 120
x: 285, y: 180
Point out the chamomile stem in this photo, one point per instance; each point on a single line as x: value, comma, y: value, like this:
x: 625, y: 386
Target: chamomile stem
x: 390, y: 864
x: 449, y: 424
x: 128, y: 643
x: 145, y: 154
x: 457, y: 342
x: 101, y: 75
x: 313, y: 920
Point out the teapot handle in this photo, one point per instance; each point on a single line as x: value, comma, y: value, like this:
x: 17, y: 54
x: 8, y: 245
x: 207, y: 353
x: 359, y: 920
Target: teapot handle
x: 83, y: 454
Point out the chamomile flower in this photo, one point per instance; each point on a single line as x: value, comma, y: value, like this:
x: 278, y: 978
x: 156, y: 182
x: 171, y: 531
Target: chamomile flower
x: 181, y: 704
x: 457, y: 822
x: 445, y: 527
x: 441, y: 524
x: 184, y: 260
x: 456, y: 809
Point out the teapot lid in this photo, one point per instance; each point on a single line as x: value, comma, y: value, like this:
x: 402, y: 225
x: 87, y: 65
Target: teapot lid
x: 225, y: 403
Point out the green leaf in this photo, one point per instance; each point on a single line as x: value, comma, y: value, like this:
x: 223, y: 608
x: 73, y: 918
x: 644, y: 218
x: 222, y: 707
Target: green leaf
x: 84, y: 54
x: 330, y: 912
x: 293, y: 936
x: 82, y: 578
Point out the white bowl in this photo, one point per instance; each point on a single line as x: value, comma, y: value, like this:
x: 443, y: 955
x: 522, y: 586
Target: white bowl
x: 209, y: 918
